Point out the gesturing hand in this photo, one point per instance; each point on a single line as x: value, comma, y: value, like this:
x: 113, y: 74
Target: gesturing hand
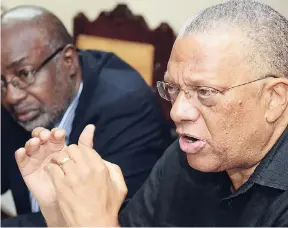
x: 32, y: 160
x: 34, y: 157
x: 90, y: 191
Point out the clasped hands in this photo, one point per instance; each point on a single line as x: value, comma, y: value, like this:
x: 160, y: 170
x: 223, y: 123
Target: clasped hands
x: 73, y: 185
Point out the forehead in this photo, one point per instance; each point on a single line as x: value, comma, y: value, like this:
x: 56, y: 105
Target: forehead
x: 207, y: 57
x: 21, y: 40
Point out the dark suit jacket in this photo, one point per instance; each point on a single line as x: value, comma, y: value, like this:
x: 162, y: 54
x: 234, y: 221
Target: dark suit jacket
x: 130, y: 129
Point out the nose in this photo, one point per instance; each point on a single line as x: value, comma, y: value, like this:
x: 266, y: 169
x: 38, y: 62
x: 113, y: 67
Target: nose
x: 14, y: 95
x: 183, y: 110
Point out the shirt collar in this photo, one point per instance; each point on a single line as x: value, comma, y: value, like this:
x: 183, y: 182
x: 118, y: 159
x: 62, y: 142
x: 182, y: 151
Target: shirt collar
x: 68, y: 117
x: 273, y: 170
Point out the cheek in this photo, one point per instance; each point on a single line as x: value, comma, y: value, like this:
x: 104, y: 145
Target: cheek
x: 236, y: 123
x: 43, y: 91
x: 227, y: 123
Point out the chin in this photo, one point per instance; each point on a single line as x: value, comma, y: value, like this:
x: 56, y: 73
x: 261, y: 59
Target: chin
x: 41, y: 121
x: 205, y: 164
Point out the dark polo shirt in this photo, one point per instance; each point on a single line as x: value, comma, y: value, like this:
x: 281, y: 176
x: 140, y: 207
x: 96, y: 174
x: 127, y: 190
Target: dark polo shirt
x: 177, y: 195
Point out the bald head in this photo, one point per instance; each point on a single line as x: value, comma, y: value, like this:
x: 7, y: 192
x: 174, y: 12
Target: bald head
x: 49, y: 28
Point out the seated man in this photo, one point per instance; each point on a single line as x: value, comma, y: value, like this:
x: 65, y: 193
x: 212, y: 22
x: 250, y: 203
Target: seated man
x: 46, y: 82
x: 227, y: 79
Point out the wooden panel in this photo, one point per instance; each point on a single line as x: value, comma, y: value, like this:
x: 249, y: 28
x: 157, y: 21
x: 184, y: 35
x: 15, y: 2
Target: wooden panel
x: 139, y: 55
x: 122, y: 24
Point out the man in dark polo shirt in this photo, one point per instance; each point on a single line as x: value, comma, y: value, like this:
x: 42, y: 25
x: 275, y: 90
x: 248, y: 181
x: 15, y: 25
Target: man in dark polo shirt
x: 227, y: 79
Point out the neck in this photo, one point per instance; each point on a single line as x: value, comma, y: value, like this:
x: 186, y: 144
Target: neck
x: 240, y: 176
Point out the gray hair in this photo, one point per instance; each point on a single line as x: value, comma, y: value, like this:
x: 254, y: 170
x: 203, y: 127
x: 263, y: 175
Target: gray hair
x: 263, y: 28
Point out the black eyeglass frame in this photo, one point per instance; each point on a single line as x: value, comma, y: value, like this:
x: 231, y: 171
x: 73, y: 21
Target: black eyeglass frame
x: 25, y: 85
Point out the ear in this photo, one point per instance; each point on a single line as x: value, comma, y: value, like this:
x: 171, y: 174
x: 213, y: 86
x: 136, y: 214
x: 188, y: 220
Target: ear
x: 70, y: 59
x: 278, y: 99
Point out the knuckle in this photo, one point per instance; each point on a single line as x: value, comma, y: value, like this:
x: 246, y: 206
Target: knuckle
x: 74, y: 181
x: 39, y: 131
x: 27, y: 143
x: 72, y: 148
x: 36, y: 131
x: 101, y: 168
x: 125, y: 190
x: 116, y: 167
x: 86, y: 173
x: 56, y: 147
x: 55, y: 129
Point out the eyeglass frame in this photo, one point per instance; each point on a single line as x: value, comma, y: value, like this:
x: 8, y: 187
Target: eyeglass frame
x: 159, y: 83
x: 33, y: 72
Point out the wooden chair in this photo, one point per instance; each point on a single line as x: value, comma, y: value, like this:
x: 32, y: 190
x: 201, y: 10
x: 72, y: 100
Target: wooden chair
x: 128, y: 36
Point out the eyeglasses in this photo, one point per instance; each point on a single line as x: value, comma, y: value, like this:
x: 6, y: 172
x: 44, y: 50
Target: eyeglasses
x: 206, y: 95
x: 26, y: 78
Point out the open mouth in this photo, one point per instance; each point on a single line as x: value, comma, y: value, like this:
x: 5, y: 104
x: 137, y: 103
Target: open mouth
x: 190, y: 139
x: 191, y: 144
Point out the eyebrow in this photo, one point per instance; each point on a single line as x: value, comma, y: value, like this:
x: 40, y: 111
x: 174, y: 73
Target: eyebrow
x: 203, y: 82
x: 167, y: 77
x: 16, y: 63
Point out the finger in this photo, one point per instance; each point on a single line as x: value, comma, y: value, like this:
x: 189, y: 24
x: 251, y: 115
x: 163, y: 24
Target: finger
x: 57, y: 139
x: 75, y: 153
x: 32, y: 148
x: 56, y: 174
x: 22, y: 158
x: 85, y: 143
x: 65, y: 163
x: 58, y: 135
x: 41, y: 133
x: 86, y: 137
x: 36, y: 131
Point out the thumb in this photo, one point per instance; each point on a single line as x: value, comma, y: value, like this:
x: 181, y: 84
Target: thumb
x: 86, y: 137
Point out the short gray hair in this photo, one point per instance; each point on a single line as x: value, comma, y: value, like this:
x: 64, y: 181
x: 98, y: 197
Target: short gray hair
x: 263, y: 28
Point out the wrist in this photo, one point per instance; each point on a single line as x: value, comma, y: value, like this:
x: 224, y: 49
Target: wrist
x: 112, y: 221
x: 53, y: 216
x: 97, y: 221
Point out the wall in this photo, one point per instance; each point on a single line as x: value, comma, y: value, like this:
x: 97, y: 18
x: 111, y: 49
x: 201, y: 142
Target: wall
x: 175, y: 12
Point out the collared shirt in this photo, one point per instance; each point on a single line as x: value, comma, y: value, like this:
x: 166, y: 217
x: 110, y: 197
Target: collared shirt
x: 66, y: 125
x: 177, y: 195
x: 67, y: 120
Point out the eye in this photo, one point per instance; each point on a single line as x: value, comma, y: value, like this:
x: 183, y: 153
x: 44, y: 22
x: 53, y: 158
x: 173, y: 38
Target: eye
x: 206, y: 92
x: 25, y: 75
x: 172, y: 89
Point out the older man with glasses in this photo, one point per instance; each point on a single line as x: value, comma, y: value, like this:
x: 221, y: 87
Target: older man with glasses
x: 46, y: 82
x: 227, y: 80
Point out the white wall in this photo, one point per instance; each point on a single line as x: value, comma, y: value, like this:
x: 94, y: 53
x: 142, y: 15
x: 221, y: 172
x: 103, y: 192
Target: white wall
x: 175, y: 12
